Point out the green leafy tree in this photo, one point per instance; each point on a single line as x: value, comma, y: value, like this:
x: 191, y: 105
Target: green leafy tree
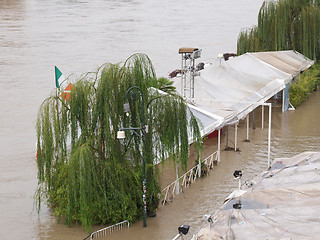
x: 84, y: 172
x: 284, y: 25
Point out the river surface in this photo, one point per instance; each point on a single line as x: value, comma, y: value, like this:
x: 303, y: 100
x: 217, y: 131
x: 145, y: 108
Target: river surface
x: 78, y: 36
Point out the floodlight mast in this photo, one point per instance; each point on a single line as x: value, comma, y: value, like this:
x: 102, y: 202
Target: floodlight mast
x: 188, y: 54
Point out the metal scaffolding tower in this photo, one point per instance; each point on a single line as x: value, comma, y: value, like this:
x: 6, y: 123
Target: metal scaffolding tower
x: 188, y: 70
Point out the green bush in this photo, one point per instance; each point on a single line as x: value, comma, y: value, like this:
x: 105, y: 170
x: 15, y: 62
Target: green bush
x: 305, y: 85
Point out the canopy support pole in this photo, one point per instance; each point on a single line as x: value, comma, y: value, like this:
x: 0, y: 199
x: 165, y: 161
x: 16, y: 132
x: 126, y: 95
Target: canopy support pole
x: 283, y: 98
x: 269, y: 136
x: 253, y: 120
x: 219, y: 143
x: 227, y: 137
x: 235, y: 136
x: 247, y: 127
x: 262, y: 116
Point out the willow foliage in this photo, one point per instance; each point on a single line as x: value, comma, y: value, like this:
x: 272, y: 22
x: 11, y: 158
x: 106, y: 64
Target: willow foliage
x: 284, y: 25
x: 84, y: 172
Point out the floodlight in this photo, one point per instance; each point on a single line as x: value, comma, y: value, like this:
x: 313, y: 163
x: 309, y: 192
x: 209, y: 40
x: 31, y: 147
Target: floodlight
x: 121, y: 135
x: 237, y: 174
x: 184, y: 229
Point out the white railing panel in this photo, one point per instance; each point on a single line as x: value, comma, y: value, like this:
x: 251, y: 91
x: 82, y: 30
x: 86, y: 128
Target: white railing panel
x: 189, y: 177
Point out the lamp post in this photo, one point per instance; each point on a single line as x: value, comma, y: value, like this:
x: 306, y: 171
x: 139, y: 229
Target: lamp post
x: 142, y: 129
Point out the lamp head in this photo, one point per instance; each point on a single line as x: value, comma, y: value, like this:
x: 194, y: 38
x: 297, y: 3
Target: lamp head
x: 121, y: 134
x: 184, y: 229
x: 126, y: 107
x: 237, y: 174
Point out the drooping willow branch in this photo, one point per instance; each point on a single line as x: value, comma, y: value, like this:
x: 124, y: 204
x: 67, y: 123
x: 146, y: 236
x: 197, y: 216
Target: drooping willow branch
x: 84, y: 172
x: 284, y: 25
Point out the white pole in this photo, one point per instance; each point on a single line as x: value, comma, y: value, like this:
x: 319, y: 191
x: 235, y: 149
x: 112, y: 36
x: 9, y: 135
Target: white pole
x: 248, y: 127
x: 177, y: 181
x: 262, y: 117
x: 235, y: 136
x: 219, y: 147
x: 269, y: 136
x: 283, y: 98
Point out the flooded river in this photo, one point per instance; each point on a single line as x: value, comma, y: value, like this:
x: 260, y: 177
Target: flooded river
x: 78, y: 36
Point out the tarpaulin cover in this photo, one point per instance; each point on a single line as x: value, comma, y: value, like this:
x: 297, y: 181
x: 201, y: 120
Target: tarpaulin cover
x: 281, y: 203
x: 232, y: 89
x: 289, y: 61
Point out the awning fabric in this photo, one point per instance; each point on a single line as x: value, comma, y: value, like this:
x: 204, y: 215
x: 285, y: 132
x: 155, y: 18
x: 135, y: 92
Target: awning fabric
x: 281, y: 203
x: 232, y: 89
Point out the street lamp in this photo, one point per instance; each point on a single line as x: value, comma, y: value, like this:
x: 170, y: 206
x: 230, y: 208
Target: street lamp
x: 136, y: 130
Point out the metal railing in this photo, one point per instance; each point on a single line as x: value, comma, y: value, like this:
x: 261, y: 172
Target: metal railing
x: 103, y: 232
x: 188, y: 178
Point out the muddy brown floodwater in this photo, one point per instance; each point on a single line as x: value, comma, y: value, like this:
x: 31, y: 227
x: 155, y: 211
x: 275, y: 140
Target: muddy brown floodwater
x: 78, y: 36
x: 293, y: 132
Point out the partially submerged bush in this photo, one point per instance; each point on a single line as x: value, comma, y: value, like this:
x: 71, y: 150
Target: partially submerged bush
x: 308, y: 82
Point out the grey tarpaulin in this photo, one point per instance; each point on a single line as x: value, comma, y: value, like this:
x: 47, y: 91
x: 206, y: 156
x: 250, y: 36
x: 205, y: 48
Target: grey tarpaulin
x: 281, y: 203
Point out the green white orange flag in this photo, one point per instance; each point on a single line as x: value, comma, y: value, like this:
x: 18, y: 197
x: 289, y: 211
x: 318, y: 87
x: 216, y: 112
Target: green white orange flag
x: 59, y: 76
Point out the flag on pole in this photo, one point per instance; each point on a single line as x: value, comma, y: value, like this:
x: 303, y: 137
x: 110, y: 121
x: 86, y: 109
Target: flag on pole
x: 67, y: 92
x: 59, y: 76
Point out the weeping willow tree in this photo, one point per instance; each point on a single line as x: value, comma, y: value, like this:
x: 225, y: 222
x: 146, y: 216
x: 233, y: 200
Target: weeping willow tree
x: 284, y: 25
x: 84, y: 172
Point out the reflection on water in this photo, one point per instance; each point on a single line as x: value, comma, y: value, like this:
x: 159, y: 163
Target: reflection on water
x: 78, y: 36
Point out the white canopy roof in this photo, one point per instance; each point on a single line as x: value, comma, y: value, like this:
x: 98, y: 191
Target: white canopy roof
x: 226, y: 91
x: 290, y: 62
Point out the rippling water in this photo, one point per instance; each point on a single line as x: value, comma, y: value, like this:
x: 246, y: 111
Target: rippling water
x: 78, y: 36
